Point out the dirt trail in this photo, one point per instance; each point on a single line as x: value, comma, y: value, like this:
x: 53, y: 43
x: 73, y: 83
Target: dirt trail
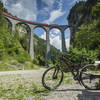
x: 35, y: 75
x: 71, y: 91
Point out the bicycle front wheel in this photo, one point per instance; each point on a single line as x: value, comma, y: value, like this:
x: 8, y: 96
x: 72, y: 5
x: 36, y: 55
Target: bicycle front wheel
x: 52, y: 78
x: 90, y: 77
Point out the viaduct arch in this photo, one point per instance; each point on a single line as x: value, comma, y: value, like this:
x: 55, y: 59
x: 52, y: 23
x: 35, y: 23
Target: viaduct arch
x: 32, y: 25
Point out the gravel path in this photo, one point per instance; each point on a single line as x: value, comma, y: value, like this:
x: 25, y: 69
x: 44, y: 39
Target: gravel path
x: 35, y: 75
x: 23, y: 72
x: 71, y: 91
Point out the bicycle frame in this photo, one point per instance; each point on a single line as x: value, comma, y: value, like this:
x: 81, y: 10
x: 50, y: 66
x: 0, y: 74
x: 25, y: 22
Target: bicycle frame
x: 76, y: 76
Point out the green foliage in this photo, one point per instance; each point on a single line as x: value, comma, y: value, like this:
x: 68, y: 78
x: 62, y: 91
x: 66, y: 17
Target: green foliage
x: 24, y: 42
x: 22, y: 36
x: 39, y: 46
x: 88, y: 37
x: 96, y: 10
x: 76, y: 56
x: 86, y: 17
x: 96, y: 15
x: 10, y: 45
x: 40, y: 50
x: 35, y: 61
x: 2, y: 49
x: 54, y: 54
x: 22, y: 57
x: 90, y: 55
x: 39, y: 60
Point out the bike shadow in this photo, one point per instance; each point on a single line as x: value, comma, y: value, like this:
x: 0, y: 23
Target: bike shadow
x: 69, y: 90
x: 89, y: 95
x: 85, y: 94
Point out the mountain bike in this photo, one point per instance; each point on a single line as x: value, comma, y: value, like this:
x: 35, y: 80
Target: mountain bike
x: 82, y: 72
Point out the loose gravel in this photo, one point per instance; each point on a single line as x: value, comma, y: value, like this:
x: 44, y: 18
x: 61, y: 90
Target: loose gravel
x: 70, y: 91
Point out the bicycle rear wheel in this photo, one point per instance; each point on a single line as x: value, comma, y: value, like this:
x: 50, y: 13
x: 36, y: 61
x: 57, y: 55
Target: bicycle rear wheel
x: 52, y: 78
x: 90, y: 77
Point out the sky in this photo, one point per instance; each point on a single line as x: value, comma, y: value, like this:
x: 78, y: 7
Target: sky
x: 44, y: 11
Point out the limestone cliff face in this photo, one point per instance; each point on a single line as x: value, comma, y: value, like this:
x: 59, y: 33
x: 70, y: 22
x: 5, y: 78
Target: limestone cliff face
x: 80, y: 14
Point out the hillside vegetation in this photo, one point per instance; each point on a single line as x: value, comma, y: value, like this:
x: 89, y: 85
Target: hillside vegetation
x: 85, y: 32
x: 11, y: 51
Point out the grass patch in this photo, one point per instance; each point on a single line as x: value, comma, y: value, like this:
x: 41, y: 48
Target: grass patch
x: 12, y: 65
x: 19, y: 88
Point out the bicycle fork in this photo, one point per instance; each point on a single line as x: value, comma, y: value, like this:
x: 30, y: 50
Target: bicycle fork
x: 55, y: 74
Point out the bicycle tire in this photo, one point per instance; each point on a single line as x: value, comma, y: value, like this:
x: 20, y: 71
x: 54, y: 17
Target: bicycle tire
x: 48, y: 86
x: 88, y: 77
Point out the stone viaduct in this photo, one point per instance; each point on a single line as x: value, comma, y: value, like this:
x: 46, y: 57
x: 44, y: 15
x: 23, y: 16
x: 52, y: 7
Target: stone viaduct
x: 32, y: 25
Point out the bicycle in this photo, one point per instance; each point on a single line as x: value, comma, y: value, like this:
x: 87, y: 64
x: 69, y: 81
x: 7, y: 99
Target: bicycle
x: 79, y: 72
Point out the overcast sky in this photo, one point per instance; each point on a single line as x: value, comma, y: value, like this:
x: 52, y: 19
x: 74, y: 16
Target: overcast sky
x: 44, y: 11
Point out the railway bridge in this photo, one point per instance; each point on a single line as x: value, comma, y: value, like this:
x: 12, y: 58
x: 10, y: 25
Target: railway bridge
x: 32, y: 25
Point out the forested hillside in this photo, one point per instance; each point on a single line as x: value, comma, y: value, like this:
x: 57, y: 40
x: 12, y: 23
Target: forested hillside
x: 85, y: 19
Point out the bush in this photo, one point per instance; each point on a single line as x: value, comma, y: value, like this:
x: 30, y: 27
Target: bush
x: 35, y: 61
x: 74, y: 56
x: 22, y: 57
x: 39, y: 60
x: 2, y: 49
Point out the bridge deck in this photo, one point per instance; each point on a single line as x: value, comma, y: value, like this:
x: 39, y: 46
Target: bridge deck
x: 19, y: 19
